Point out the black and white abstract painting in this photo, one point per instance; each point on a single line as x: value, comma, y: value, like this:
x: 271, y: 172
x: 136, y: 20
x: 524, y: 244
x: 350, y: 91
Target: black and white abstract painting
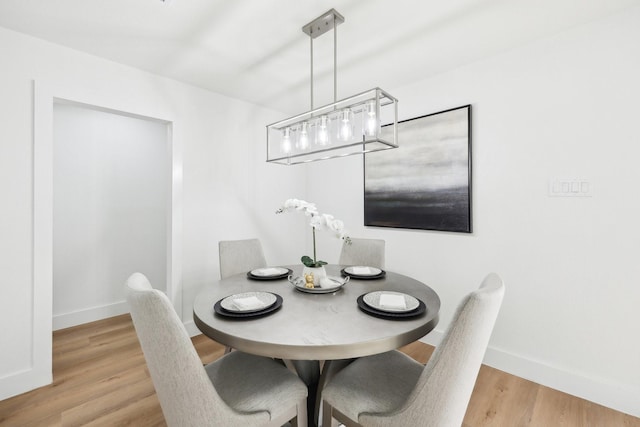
x: 425, y: 183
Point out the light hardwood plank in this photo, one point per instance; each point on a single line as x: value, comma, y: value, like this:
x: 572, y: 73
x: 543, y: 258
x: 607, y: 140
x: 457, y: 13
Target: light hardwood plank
x: 553, y: 407
x: 101, y: 379
x: 500, y: 400
x: 105, y: 406
x: 143, y: 412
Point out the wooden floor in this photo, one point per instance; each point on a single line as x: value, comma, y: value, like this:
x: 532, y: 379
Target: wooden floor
x: 100, y: 379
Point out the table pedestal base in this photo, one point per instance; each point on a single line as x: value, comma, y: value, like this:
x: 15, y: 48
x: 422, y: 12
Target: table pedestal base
x: 315, y: 375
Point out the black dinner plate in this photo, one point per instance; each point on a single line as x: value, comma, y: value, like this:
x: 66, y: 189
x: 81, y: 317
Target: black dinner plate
x: 218, y: 309
x: 277, y: 277
x: 405, y: 315
x: 365, y: 277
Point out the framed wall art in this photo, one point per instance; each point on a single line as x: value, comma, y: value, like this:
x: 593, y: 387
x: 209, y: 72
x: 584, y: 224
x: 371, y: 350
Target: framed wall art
x: 425, y: 183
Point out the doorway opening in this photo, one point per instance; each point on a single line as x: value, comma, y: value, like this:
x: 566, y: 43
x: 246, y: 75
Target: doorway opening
x: 109, y: 209
x: 46, y: 96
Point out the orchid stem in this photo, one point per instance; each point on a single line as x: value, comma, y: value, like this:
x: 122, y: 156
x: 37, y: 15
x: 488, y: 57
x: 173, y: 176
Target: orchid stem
x: 314, y: 244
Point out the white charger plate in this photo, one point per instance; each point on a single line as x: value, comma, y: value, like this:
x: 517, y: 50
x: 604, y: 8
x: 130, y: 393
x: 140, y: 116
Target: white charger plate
x: 372, y: 299
x: 373, y: 271
x: 269, y: 271
x: 267, y: 299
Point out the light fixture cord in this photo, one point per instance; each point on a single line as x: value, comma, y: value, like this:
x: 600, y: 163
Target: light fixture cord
x: 335, y: 60
x: 311, y: 38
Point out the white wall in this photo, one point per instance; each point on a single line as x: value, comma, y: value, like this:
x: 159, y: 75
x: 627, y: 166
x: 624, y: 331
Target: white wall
x: 563, y: 107
x: 228, y: 190
x: 110, y: 201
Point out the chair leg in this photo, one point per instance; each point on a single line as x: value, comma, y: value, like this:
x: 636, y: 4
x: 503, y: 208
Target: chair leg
x: 301, y: 419
x: 327, y: 415
x: 329, y: 369
x: 294, y: 416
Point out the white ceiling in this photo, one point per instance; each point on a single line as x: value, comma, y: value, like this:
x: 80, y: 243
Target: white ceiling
x: 255, y: 49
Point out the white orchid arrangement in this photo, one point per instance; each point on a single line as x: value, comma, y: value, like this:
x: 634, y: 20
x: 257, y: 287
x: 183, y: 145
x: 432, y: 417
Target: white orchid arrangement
x: 317, y: 221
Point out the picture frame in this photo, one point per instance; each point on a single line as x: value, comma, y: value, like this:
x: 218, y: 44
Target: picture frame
x: 425, y: 183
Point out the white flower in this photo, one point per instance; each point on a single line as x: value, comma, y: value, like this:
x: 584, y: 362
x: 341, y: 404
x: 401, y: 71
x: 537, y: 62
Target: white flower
x: 317, y: 220
x: 335, y: 225
x: 289, y: 205
x: 311, y: 211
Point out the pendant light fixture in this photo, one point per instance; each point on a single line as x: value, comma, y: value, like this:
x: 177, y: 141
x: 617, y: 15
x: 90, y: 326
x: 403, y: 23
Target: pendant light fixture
x: 359, y: 124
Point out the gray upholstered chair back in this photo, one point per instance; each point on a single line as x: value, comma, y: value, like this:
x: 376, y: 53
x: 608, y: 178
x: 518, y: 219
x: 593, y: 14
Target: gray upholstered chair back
x: 442, y: 393
x: 240, y: 256
x: 369, y: 252
x: 185, y: 392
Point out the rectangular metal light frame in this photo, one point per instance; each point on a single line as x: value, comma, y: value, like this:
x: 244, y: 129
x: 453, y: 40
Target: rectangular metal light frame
x: 385, y: 136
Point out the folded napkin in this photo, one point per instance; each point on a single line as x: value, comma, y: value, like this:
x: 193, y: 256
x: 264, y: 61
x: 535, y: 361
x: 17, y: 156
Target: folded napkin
x: 392, y: 301
x: 248, y: 303
x: 269, y: 271
x: 362, y: 271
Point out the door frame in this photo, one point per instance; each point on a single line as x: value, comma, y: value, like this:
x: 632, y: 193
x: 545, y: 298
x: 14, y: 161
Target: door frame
x: 45, y: 95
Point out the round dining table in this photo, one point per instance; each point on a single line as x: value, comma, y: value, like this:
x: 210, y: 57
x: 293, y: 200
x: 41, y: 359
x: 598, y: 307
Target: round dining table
x: 315, y: 327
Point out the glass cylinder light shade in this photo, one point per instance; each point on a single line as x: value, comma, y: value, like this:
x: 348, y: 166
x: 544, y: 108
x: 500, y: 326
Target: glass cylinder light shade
x: 303, y: 136
x: 323, y: 127
x: 371, y: 123
x: 345, y: 125
x: 362, y: 123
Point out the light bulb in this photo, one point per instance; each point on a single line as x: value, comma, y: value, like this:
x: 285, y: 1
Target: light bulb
x: 285, y: 145
x: 303, y: 140
x: 322, y: 131
x: 346, y: 125
x: 372, y: 120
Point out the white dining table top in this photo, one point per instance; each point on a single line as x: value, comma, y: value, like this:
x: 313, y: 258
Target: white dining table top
x: 315, y: 326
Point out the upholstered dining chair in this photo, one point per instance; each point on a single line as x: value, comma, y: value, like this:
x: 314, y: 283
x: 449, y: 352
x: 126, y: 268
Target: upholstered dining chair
x: 369, y: 252
x: 238, y: 389
x: 393, y: 389
x: 240, y: 256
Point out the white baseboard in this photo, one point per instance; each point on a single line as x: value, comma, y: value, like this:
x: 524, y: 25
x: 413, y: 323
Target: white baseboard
x: 91, y: 314
x: 191, y: 327
x: 23, y: 381
x: 616, y: 396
